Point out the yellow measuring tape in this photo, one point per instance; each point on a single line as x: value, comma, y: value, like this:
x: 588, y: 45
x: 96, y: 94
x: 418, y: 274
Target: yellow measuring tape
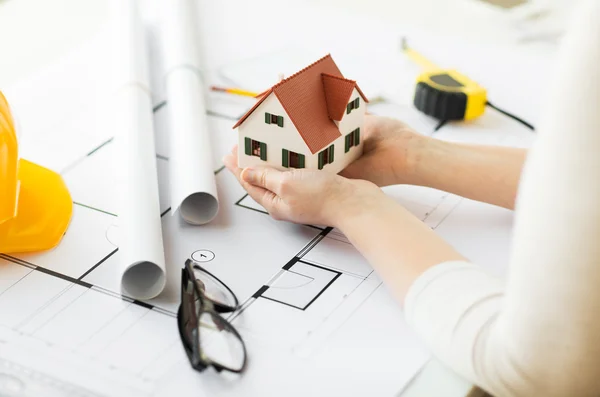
x: 445, y: 94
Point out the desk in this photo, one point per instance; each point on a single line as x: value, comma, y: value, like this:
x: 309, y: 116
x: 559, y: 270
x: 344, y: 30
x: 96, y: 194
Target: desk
x: 30, y: 39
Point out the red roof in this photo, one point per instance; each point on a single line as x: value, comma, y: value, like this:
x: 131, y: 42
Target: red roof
x: 313, y: 98
x: 337, y: 94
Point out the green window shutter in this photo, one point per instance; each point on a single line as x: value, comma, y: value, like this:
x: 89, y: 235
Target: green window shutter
x: 348, y: 108
x: 268, y: 118
x: 300, y: 161
x: 280, y: 121
x: 330, y: 154
x: 356, y: 103
x: 263, y: 151
x: 285, y: 158
x: 357, y: 137
x: 347, y: 143
x: 321, y: 160
x: 248, y: 146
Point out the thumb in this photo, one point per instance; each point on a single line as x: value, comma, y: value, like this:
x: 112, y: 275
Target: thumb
x: 267, y: 178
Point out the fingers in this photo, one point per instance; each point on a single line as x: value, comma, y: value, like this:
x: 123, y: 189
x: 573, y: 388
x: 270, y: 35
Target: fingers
x: 231, y: 160
x: 370, y: 124
x: 232, y: 156
x: 269, y: 200
x: 267, y: 178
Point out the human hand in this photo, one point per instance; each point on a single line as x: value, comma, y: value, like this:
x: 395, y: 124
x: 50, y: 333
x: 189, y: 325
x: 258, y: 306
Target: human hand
x: 305, y: 196
x: 389, y: 154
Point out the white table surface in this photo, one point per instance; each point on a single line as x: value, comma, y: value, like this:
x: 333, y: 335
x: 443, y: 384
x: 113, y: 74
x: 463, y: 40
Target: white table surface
x: 34, y: 33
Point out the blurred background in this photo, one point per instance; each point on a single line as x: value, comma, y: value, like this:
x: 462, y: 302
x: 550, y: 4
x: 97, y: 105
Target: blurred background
x: 36, y: 32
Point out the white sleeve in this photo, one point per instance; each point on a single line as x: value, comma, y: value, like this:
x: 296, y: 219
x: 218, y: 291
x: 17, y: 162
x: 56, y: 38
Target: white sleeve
x: 537, y: 334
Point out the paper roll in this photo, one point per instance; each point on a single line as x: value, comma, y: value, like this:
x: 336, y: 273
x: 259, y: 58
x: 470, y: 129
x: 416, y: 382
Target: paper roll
x: 193, y: 186
x: 143, y: 271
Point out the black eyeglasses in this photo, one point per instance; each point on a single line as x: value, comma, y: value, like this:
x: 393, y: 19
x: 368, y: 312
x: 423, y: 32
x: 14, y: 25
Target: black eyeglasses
x: 208, y: 339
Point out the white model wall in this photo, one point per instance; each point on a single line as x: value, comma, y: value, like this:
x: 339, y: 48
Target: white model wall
x: 349, y: 123
x: 278, y: 138
x: 355, y: 119
x: 341, y: 159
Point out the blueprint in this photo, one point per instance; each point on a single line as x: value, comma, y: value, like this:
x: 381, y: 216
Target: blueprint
x: 316, y: 318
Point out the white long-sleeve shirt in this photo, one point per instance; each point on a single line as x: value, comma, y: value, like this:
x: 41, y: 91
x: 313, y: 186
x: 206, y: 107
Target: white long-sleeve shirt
x: 538, y: 332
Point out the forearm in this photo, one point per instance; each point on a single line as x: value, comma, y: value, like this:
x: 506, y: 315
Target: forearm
x: 483, y: 173
x: 398, y: 245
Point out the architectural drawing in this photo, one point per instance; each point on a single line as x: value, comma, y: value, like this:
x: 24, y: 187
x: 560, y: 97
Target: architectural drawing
x: 309, y: 299
x: 314, y: 290
x: 300, y: 284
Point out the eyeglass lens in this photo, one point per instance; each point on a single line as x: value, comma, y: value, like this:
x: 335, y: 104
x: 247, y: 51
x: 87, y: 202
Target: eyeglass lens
x: 219, y: 342
x: 214, y: 289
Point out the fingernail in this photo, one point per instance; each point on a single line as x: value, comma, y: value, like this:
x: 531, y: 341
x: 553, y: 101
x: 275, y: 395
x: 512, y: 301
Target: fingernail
x: 248, y: 175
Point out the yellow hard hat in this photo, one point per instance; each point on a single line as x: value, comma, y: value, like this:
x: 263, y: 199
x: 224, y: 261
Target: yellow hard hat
x: 35, y: 204
x: 8, y: 163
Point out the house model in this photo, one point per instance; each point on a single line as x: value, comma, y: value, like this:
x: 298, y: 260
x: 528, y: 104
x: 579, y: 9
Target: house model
x: 312, y: 119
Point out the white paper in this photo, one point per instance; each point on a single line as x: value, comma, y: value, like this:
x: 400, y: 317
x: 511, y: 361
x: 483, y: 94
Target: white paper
x: 326, y: 325
x: 115, y: 347
x: 193, y: 186
x: 142, y: 269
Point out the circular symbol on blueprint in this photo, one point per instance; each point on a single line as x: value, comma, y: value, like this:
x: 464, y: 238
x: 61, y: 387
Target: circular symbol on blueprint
x: 203, y: 256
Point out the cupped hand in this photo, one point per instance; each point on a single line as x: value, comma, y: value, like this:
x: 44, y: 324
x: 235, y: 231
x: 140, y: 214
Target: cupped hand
x: 304, y: 196
x: 389, y: 153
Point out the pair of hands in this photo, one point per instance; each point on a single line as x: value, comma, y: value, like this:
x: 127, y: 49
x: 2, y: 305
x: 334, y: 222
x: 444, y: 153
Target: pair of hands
x: 322, y: 198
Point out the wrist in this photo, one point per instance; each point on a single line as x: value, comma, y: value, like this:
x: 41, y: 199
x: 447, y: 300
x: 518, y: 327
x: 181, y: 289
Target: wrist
x: 359, y: 199
x: 424, y: 159
x: 414, y: 149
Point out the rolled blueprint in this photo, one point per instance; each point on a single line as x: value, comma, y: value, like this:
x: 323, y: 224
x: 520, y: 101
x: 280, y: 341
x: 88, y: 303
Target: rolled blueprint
x: 141, y: 250
x: 193, y: 186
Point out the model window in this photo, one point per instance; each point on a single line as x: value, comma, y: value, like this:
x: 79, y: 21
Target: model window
x: 352, y: 105
x: 255, y: 148
x: 291, y: 159
x: 352, y: 139
x: 326, y: 157
x: 274, y: 119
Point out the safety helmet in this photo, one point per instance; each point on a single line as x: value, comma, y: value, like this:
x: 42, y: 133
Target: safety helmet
x: 35, y: 204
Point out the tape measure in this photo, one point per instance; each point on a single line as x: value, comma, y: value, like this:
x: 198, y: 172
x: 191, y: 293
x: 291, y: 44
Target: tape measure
x: 446, y: 94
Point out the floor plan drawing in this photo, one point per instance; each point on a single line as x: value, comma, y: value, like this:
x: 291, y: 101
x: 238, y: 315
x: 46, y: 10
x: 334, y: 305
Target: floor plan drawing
x: 316, y: 286
x: 300, y: 284
x: 310, y: 302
